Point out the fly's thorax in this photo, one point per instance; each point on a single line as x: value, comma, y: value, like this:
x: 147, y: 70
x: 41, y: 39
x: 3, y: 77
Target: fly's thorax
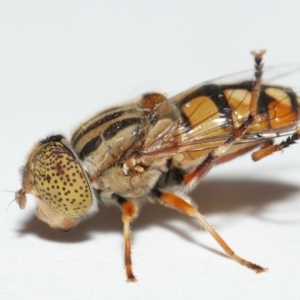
x: 104, y: 127
x: 101, y: 141
x: 113, y: 146
x: 54, y: 175
x: 100, y: 158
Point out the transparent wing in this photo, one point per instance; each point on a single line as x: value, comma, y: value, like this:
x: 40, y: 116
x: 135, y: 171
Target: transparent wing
x: 173, y: 142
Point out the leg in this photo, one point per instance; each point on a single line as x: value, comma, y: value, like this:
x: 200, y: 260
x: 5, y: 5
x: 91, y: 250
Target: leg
x: 129, y: 213
x: 178, y: 203
x: 269, y: 149
x: 232, y: 155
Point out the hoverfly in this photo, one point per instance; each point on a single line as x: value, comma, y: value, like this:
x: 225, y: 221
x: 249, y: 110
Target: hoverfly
x: 157, y: 149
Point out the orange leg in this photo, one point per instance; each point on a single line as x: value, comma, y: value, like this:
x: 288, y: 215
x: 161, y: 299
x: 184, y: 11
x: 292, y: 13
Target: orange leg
x: 180, y: 204
x: 269, y: 149
x: 130, y: 212
x: 230, y: 156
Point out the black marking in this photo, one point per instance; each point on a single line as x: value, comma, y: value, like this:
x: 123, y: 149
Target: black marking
x: 263, y: 103
x: 121, y: 200
x: 165, y: 176
x: 52, y: 138
x: 157, y: 193
x: 174, y: 176
x: 289, y: 141
x: 215, y: 94
x: 113, y: 129
x: 292, y: 96
x: 96, y: 124
x: 90, y: 147
x: 244, y: 85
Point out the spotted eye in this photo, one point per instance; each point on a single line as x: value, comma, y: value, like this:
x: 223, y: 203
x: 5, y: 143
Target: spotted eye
x: 60, y: 179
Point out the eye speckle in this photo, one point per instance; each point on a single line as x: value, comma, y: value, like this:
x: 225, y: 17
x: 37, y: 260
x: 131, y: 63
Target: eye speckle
x: 67, y: 177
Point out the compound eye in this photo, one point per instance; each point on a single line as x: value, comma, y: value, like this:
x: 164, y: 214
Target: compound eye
x: 61, y: 181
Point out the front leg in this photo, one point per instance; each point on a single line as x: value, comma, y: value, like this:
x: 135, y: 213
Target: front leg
x: 129, y: 213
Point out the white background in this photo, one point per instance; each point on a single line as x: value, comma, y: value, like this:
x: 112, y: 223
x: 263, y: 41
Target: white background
x: 62, y: 61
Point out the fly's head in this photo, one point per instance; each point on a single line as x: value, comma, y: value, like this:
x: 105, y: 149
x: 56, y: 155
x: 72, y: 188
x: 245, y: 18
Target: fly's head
x: 54, y: 175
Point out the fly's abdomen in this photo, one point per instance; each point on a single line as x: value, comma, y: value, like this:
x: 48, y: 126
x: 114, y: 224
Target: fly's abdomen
x: 215, y: 110
x: 211, y: 112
